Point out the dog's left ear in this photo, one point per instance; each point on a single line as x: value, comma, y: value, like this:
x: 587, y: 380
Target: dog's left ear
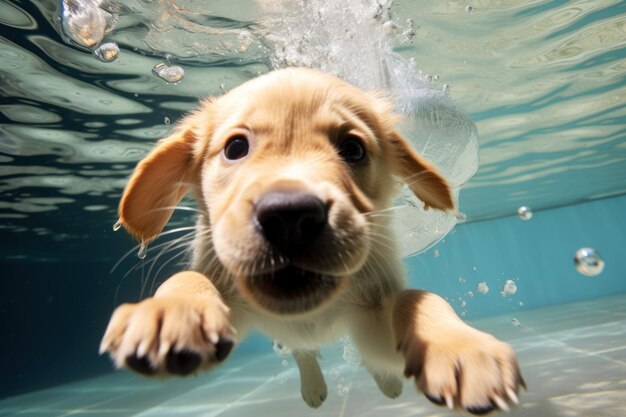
x: 420, y: 175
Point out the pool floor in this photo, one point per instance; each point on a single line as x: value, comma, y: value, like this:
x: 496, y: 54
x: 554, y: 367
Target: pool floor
x: 572, y: 356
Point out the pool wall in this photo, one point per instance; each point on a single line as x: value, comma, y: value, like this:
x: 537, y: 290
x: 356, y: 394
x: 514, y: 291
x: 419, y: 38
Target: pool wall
x: 537, y: 254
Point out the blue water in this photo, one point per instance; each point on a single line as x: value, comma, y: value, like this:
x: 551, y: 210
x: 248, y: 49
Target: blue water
x: 537, y: 254
x: 544, y: 81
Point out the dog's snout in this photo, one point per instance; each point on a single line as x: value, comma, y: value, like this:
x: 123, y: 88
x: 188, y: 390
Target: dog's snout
x: 290, y: 221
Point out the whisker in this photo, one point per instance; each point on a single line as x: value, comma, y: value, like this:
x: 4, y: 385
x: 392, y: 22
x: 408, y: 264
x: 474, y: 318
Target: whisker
x: 381, y: 211
x: 138, y: 246
x: 181, y: 242
x: 178, y: 207
x: 175, y: 256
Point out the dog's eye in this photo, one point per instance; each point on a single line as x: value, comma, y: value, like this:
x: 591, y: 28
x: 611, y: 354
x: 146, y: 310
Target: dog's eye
x: 236, y: 147
x: 351, y: 149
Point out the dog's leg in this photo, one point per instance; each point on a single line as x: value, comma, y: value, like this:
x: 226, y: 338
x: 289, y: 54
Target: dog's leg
x: 183, y: 328
x: 312, y: 384
x: 453, y: 364
x: 373, y: 335
x: 389, y: 383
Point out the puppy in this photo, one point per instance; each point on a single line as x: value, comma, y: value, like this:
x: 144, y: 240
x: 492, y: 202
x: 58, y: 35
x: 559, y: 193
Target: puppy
x: 293, y: 172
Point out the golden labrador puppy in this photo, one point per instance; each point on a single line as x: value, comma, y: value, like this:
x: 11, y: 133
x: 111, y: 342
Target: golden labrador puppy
x: 293, y: 172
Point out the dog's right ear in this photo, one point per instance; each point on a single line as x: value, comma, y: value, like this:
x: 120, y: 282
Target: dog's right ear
x: 159, y: 182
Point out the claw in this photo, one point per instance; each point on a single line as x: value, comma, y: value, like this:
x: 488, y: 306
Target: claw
x: 142, y: 350
x: 449, y: 401
x: 512, y: 395
x: 163, y: 349
x: 104, y: 345
x: 501, y: 403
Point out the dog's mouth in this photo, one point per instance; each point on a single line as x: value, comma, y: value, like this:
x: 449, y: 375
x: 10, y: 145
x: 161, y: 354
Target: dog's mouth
x: 290, y: 290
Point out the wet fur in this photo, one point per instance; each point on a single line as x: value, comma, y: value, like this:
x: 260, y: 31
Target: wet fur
x: 294, y: 119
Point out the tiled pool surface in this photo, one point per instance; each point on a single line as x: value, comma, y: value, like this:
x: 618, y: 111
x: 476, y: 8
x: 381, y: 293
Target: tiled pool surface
x: 573, y: 358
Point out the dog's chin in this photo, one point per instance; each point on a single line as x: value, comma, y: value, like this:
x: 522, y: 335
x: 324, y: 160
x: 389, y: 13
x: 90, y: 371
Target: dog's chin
x: 290, y: 290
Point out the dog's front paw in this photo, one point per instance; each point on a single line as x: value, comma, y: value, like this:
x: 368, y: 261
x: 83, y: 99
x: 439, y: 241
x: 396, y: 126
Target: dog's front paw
x: 464, y: 368
x: 169, y: 335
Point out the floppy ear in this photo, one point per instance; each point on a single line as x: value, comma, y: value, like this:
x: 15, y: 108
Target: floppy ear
x: 158, y: 184
x: 421, y: 176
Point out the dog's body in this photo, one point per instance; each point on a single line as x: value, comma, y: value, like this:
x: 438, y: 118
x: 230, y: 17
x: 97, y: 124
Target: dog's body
x: 294, y: 172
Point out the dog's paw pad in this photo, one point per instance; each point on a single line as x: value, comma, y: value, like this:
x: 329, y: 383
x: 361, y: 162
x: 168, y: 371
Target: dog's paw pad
x: 140, y: 365
x: 435, y: 400
x: 182, y: 363
x: 481, y: 410
x: 223, y: 348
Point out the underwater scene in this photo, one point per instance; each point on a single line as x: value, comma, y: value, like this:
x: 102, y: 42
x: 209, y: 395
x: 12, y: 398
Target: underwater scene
x: 515, y: 110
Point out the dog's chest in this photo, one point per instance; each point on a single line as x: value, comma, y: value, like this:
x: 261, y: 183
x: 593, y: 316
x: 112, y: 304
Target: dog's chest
x: 307, y: 333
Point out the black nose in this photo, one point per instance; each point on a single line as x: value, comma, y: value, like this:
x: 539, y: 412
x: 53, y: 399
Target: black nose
x: 290, y: 221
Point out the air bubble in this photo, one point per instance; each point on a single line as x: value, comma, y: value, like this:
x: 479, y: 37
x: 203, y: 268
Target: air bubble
x: 143, y: 251
x: 171, y: 74
x: 342, y: 389
x: 436, y: 77
x: 462, y: 280
x: 510, y: 288
x: 588, y: 262
x: 280, y: 377
x: 84, y: 21
x: 350, y: 352
x: 389, y: 28
x: 280, y: 349
x: 428, y: 78
x: 408, y: 34
x: 117, y: 226
x: 482, y: 288
x: 516, y: 322
x: 436, y: 253
x: 446, y: 88
x: 334, y: 373
x: 107, y: 52
x: 469, y: 9
x: 284, y: 363
x: 167, y: 120
x: 470, y: 294
x: 524, y: 213
x: 245, y: 39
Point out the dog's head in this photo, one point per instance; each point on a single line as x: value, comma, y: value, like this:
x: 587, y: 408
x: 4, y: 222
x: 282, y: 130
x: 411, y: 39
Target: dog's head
x: 288, y: 167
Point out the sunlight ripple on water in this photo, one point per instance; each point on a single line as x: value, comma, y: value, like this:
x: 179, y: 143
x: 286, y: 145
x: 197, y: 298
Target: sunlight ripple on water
x: 526, y: 73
